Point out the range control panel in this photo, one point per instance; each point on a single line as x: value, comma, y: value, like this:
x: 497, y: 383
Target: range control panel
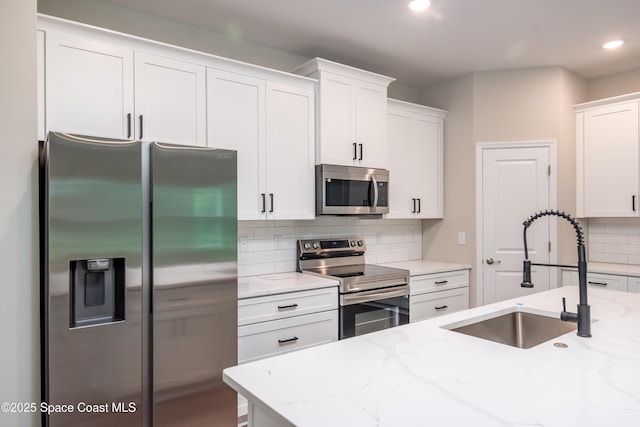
x: 329, y: 246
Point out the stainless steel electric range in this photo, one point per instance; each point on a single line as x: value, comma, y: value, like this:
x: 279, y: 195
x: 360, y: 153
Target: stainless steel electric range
x: 372, y: 297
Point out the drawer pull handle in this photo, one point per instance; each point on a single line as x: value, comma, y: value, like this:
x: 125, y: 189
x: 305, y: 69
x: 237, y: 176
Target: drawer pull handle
x: 597, y: 283
x: 442, y: 307
x: 288, y: 341
x: 442, y: 282
x: 287, y: 307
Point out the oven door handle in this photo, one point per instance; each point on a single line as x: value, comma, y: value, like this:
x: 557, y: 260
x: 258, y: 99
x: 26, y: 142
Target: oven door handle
x: 375, y: 295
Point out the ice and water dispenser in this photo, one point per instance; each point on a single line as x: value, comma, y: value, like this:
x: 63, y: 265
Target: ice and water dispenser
x: 97, y: 291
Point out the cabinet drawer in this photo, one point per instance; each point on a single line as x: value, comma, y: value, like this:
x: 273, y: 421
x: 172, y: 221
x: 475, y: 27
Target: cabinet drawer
x: 280, y: 306
x: 633, y: 284
x: 596, y: 280
x: 439, y: 281
x: 434, y: 304
x: 266, y: 339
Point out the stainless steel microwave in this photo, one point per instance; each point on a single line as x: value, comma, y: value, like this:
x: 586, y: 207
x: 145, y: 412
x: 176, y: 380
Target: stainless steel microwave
x: 351, y: 190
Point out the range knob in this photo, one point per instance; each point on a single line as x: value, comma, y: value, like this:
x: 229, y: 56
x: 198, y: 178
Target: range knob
x: 352, y: 243
x: 360, y: 243
x: 316, y: 245
x: 307, y: 246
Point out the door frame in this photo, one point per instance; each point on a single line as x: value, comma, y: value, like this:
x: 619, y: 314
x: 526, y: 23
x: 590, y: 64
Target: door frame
x: 553, y: 204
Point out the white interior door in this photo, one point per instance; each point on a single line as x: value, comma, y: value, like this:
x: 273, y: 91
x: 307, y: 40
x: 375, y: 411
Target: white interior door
x: 515, y: 183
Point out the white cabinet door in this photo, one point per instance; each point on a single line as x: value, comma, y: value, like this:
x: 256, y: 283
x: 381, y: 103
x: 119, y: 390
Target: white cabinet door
x: 89, y: 87
x: 170, y: 100
x: 236, y: 121
x: 608, y: 159
x: 290, y: 179
x: 40, y: 70
x: 352, y: 121
x: 371, y: 125
x: 415, y: 154
x: 337, y: 145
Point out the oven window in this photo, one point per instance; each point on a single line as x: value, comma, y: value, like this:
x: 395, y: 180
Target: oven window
x: 362, y: 318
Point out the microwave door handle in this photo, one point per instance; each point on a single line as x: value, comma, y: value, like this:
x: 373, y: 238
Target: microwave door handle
x: 375, y: 194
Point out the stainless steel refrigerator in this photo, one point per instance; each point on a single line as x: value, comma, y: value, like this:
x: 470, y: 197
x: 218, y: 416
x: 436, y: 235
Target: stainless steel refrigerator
x: 138, y: 283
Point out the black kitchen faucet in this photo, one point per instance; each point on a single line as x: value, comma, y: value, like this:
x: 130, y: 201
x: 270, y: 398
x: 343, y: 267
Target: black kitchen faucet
x: 583, y: 316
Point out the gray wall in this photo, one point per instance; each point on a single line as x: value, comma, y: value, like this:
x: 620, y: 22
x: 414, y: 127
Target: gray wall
x: 19, y: 295
x: 496, y: 106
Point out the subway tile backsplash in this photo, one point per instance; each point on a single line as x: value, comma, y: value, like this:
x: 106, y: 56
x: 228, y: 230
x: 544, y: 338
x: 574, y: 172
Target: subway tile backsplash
x: 266, y: 247
x: 614, y: 240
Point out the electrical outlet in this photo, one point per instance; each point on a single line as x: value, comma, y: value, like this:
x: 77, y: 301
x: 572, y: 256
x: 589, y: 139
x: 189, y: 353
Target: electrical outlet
x: 277, y: 241
x: 462, y: 238
x: 244, y: 245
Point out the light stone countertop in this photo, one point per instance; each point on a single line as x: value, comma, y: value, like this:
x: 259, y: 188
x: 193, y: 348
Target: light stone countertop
x: 271, y: 284
x: 611, y: 268
x: 419, y: 267
x: 422, y: 374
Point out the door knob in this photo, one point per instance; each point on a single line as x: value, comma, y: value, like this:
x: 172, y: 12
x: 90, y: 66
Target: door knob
x: 491, y: 261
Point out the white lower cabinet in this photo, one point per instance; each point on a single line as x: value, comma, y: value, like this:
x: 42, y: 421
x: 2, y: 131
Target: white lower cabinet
x: 275, y: 324
x: 266, y: 339
x: 633, y: 284
x: 598, y: 280
x: 438, y: 293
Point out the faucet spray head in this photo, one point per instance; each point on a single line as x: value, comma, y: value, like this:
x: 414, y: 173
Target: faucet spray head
x: 526, y: 275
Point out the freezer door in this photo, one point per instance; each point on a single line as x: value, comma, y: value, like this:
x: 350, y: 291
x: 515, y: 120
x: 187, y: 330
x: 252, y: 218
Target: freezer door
x: 91, y: 323
x: 194, y: 277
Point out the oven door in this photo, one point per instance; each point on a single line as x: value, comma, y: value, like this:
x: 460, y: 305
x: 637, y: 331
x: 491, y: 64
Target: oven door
x: 370, y: 311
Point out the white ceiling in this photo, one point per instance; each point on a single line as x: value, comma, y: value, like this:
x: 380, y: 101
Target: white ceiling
x: 451, y: 38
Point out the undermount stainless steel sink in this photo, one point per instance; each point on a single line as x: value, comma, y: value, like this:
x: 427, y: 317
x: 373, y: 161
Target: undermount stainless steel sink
x: 517, y: 328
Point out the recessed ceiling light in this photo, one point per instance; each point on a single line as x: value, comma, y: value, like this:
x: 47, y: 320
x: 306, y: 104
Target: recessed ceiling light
x: 419, y: 5
x: 613, y: 44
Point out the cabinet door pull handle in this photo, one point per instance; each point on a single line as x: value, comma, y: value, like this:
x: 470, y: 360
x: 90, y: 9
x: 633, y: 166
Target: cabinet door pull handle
x: 287, y: 307
x: 597, y: 283
x: 128, y: 125
x: 414, y: 205
x: 442, y: 307
x: 288, y: 341
x: 355, y: 151
x: 141, y: 126
x: 271, y: 202
x: 264, y: 203
x: 360, y: 151
x: 442, y: 282
x: 633, y: 203
x: 419, y: 207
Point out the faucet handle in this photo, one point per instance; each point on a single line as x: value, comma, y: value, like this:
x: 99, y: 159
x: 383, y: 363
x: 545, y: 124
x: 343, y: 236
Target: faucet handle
x: 564, y: 304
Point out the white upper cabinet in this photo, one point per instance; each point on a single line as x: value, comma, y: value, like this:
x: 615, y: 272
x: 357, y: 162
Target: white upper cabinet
x: 236, y: 120
x: 104, y: 85
x: 290, y: 138
x: 607, y: 150
x: 415, y: 152
x: 351, y: 121
x: 89, y: 86
x: 271, y: 125
x: 170, y: 100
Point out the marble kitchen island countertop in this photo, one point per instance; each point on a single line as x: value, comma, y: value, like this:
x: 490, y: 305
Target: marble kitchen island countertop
x: 421, y: 374
x: 279, y: 283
